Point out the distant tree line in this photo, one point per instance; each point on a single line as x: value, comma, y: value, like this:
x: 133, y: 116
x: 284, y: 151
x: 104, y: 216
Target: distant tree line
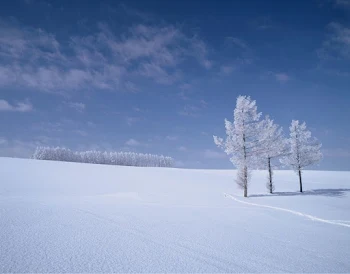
x: 252, y: 142
x: 105, y: 158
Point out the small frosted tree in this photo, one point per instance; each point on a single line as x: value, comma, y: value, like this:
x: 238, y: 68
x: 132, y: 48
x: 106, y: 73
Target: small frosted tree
x: 273, y: 146
x: 99, y: 157
x: 242, y: 141
x: 304, y: 150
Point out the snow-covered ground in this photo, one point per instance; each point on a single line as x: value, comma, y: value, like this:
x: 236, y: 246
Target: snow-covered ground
x: 69, y: 217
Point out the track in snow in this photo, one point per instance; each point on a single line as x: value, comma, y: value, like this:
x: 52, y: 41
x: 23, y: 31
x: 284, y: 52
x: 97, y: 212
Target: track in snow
x: 313, y: 218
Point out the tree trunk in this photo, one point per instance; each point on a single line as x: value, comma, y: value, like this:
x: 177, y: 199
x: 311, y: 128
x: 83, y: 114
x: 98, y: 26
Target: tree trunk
x: 300, y: 182
x: 270, y: 175
x: 245, y: 173
x: 245, y: 181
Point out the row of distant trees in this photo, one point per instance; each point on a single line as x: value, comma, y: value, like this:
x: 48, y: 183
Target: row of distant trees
x: 252, y: 142
x: 99, y: 157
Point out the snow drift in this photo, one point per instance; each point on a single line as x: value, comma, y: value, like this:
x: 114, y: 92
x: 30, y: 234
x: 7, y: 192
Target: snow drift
x: 71, y: 217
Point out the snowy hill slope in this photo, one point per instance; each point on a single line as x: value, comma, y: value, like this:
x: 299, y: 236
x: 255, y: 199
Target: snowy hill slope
x: 69, y: 217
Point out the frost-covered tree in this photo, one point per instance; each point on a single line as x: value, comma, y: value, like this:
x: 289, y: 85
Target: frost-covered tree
x: 273, y: 146
x: 99, y: 157
x: 304, y: 150
x: 242, y: 140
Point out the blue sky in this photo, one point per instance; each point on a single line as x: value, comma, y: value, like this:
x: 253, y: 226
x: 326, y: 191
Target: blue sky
x: 161, y: 76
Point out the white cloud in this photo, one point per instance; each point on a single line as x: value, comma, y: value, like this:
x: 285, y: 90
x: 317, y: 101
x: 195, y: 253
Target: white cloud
x: 78, y: 106
x: 337, y: 45
x: 132, y: 142
x: 35, y: 59
x: 282, y: 77
x: 212, y: 154
x: 25, y: 106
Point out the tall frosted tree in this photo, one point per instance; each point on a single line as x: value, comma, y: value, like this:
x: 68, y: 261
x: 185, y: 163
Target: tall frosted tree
x: 304, y: 149
x: 273, y: 146
x: 242, y: 140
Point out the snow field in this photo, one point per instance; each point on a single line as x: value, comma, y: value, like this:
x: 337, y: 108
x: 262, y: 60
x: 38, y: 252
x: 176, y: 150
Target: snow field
x: 70, y: 217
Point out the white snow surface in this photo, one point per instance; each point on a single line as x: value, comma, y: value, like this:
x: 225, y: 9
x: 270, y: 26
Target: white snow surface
x: 70, y: 217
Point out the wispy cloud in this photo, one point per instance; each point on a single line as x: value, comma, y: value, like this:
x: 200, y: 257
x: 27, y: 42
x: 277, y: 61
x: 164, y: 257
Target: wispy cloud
x: 63, y: 127
x: 199, y: 50
x: 243, y: 55
x: 194, y: 109
x: 132, y: 142
x: 203, y: 103
x: 133, y: 12
x: 337, y: 44
x: 190, y: 110
x: 36, y: 59
x: 282, y: 77
x: 137, y: 109
x: 334, y: 53
x: 226, y: 70
x: 25, y: 106
x: 185, y: 88
x: 172, y: 138
x: 132, y: 120
x: 80, y: 132
x: 78, y: 106
x: 342, y: 4
x: 264, y: 23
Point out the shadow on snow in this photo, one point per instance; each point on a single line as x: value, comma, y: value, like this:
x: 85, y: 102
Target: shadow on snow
x: 339, y: 192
